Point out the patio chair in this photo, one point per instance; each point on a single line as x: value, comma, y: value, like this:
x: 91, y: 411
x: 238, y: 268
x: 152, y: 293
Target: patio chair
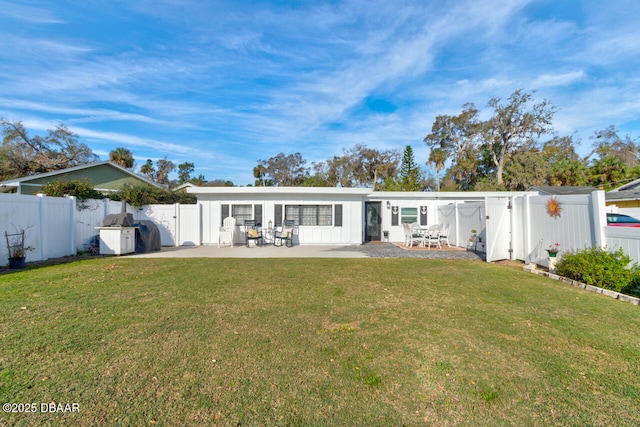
x: 252, y: 231
x: 432, y: 236
x: 412, y: 234
x: 227, y: 231
x: 407, y: 233
x: 444, y: 234
x: 284, y: 233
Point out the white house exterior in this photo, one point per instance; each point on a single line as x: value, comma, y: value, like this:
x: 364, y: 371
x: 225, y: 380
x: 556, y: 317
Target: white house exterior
x: 330, y: 215
x: 323, y: 215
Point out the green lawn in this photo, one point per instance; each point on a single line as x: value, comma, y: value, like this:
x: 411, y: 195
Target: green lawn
x: 314, y: 342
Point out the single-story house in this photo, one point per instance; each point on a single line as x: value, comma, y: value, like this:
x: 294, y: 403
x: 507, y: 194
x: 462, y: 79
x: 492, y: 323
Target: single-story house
x: 332, y: 215
x: 105, y: 176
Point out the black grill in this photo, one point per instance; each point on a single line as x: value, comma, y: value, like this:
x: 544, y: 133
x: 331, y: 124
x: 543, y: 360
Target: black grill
x: 118, y: 220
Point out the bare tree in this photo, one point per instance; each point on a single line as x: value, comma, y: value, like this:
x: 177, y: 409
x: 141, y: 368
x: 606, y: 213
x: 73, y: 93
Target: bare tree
x: 22, y: 155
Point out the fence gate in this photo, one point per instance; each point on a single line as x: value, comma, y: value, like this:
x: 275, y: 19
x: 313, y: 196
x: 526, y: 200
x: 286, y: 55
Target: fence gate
x: 165, y: 218
x: 498, y: 228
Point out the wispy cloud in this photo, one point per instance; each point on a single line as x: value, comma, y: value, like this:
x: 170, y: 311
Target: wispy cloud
x: 27, y: 13
x: 226, y: 84
x: 562, y: 79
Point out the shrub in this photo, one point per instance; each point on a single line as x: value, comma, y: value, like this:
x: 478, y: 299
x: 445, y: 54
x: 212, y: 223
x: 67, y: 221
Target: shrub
x: 597, y: 267
x: 139, y: 195
x: 81, y: 189
x: 634, y: 284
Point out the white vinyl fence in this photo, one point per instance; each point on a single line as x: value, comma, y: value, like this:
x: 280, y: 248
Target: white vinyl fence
x: 48, y: 223
x: 179, y: 225
x: 58, y: 226
x: 520, y: 227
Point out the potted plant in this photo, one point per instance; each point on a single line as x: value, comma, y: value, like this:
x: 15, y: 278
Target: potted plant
x: 553, y: 250
x: 472, y: 240
x: 17, y: 249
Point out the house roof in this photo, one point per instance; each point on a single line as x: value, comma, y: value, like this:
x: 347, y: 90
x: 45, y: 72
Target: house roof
x: 562, y: 190
x: 277, y: 190
x: 633, y: 185
x: 633, y: 194
x: 348, y: 192
x: 6, y: 186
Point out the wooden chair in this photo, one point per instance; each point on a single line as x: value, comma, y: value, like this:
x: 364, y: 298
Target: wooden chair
x: 284, y: 233
x: 252, y: 231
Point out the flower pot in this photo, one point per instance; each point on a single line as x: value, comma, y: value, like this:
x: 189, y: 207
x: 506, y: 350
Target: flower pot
x: 552, y: 254
x: 16, y: 263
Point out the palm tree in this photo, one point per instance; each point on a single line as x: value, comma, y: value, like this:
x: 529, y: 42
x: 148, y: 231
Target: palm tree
x: 437, y: 156
x: 260, y: 172
x: 122, y: 156
x: 148, y: 169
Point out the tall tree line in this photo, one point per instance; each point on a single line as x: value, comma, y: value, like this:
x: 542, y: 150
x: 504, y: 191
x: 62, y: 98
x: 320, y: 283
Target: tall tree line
x: 517, y: 148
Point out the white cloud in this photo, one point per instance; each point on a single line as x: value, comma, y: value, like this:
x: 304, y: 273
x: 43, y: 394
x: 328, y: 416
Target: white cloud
x: 562, y: 79
x: 27, y: 13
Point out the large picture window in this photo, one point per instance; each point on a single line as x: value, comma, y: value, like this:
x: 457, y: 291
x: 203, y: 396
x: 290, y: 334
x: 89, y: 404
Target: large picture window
x: 309, y: 215
x: 241, y: 213
x: 409, y: 215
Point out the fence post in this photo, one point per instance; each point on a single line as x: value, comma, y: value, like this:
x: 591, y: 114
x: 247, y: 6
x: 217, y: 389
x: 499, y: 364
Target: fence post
x: 72, y: 225
x: 177, y: 223
x: 526, y: 225
x: 42, y: 235
x: 598, y: 209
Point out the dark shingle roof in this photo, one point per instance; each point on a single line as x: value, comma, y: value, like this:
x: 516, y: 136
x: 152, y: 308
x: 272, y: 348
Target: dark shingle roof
x: 557, y: 190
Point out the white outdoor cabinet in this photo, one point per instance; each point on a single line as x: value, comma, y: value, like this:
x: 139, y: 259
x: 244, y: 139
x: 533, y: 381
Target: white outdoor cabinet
x: 117, y: 240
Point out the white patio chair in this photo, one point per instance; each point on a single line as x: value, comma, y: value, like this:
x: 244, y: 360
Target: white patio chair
x: 433, y: 236
x: 413, y: 234
x: 226, y: 232
x: 407, y: 233
x: 444, y: 234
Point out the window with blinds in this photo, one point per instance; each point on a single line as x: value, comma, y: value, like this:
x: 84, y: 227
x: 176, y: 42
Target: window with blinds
x: 409, y: 215
x: 309, y: 215
x: 241, y: 213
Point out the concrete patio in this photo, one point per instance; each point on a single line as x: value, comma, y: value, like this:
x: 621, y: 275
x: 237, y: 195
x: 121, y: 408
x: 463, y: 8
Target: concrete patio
x: 368, y: 250
x: 241, y: 251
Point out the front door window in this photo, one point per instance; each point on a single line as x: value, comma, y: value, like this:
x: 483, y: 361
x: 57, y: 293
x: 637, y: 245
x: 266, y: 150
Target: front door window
x: 373, y: 221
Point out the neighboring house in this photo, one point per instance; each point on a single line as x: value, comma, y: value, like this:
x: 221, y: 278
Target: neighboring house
x: 105, y: 176
x: 626, y: 196
x: 562, y: 190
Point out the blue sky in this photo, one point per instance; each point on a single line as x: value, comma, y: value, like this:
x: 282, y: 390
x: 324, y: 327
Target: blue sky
x: 225, y: 83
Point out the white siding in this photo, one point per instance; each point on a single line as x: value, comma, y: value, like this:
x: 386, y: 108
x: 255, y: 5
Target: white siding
x: 349, y: 233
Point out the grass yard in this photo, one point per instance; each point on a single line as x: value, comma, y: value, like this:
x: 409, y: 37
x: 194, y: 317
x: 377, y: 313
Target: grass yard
x: 314, y: 342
